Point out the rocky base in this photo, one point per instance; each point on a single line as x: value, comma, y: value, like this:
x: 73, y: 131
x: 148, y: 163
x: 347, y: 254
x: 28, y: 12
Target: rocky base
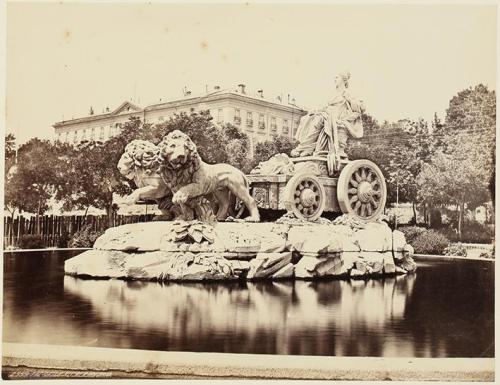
x: 191, y: 251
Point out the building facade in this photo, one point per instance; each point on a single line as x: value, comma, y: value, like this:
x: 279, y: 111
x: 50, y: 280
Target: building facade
x: 259, y: 118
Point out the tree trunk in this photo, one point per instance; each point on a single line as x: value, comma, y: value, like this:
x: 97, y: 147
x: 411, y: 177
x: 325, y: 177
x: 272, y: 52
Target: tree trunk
x: 460, y: 219
x: 414, y: 213
x: 85, y: 215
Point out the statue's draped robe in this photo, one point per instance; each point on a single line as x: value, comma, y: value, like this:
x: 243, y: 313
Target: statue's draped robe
x: 316, y: 131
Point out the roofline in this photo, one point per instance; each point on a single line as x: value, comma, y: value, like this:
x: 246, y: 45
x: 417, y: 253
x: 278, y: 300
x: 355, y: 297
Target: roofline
x: 193, y: 100
x: 223, y: 95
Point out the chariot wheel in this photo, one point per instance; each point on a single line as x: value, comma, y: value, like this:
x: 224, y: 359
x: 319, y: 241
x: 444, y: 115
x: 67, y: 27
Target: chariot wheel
x: 305, y: 197
x: 361, y: 190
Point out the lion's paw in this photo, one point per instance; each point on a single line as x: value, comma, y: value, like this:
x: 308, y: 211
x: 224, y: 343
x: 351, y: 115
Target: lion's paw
x: 179, y: 198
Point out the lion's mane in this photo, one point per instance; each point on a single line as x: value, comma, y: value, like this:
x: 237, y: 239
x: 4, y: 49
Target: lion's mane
x: 140, y: 155
x: 184, y: 175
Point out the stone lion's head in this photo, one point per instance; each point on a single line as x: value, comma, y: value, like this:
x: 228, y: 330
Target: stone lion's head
x: 177, y: 152
x: 139, y: 155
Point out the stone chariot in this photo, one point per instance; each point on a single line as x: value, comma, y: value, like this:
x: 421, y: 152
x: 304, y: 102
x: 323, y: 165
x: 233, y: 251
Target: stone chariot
x: 310, y: 189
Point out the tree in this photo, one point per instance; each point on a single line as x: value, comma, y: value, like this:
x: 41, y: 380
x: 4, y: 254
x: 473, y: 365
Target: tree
x: 36, y: 177
x: 461, y: 171
x: 281, y: 144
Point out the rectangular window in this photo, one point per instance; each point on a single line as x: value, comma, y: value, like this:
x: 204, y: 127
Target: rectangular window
x: 92, y: 135
x: 220, y: 116
x: 75, y: 136
x: 101, y: 133
x: 262, y: 125
x: 285, y: 126
x: 66, y: 140
x: 249, y: 119
x: 84, y: 134
x: 273, y: 123
x: 237, y: 116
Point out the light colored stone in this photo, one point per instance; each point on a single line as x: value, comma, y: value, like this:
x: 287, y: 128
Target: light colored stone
x: 285, y: 272
x: 312, y: 239
x: 408, y: 264
x: 376, y: 236
x: 310, y: 267
x: 398, y: 240
x: 305, y: 267
x: 357, y: 273
x: 400, y: 270
x: 249, y: 237
x: 98, y: 263
x: 266, y: 264
x: 389, y: 266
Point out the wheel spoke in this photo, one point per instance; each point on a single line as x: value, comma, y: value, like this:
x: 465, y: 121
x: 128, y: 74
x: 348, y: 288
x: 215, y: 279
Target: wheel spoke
x: 352, y: 191
x: 357, y: 176
x: 300, y: 207
x: 297, y: 200
x: 357, y: 206
x: 373, y: 202
x: 353, y: 199
x: 369, y: 176
x: 363, y: 174
x: 353, y: 182
x: 368, y: 209
x: 376, y: 192
x: 374, y: 183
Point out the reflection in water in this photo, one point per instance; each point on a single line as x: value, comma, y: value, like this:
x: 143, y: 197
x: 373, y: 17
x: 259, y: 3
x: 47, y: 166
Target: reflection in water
x: 380, y: 317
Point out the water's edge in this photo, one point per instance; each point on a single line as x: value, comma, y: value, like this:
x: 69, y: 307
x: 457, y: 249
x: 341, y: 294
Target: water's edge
x: 68, y: 361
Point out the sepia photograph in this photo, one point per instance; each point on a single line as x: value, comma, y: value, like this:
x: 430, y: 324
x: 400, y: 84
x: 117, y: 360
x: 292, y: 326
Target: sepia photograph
x: 249, y: 190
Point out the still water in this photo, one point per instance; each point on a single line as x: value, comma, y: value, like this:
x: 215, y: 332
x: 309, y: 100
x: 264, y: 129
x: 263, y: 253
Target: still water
x: 445, y: 310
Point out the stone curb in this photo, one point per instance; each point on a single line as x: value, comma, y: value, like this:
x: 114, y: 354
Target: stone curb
x: 434, y: 257
x: 154, y: 364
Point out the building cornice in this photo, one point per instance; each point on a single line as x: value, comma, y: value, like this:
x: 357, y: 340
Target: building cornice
x: 183, y: 103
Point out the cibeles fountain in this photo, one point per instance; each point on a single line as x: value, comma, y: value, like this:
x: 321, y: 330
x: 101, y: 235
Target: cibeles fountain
x: 211, y: 228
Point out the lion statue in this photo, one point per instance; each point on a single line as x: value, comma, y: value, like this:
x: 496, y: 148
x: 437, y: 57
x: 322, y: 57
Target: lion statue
x: 189, y: 177
x: 140, y: 163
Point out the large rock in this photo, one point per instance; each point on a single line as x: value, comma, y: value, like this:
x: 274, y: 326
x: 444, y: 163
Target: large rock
x: 267, y: 264
x: 99, y: 264
x: 376, y: 236
x: 231, y: 250
x: 311, y: 267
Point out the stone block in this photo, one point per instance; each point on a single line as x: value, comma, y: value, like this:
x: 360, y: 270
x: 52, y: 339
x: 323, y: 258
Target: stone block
x: 285, y: 272
x: 398, y: 240
x: 98, y: 263
x: 309, y: 267
x: 389, y: 266
x: 376, y: 236
x: 266, y: 264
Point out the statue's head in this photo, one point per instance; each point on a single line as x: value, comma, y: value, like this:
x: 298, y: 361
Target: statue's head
x: 139, y: 155
x: 342, y: 79
x: 177, y: 150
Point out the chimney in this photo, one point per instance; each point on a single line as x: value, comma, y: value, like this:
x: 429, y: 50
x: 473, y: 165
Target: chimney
x: 217, y: 88
x: 261, y: 93
x: 107, y: 109
x: 242, y: 88
x: 91, y: 112
x: 188, y: 93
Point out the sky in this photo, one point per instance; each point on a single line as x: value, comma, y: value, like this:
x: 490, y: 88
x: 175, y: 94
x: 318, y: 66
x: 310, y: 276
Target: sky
x: 406, y: 61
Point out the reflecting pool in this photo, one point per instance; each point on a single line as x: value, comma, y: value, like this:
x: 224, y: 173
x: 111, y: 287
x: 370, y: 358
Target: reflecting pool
x: 446, y: 309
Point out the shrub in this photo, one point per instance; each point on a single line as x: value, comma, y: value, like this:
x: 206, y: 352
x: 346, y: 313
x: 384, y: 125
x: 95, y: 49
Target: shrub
x: 456, y: 249
x: 429, y: 242
x: 85, y: 237
x: 472, y: 232
x: 411, y: 232
x: 63, y: 240
x: 490, y: 254
x: 29, y: 241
